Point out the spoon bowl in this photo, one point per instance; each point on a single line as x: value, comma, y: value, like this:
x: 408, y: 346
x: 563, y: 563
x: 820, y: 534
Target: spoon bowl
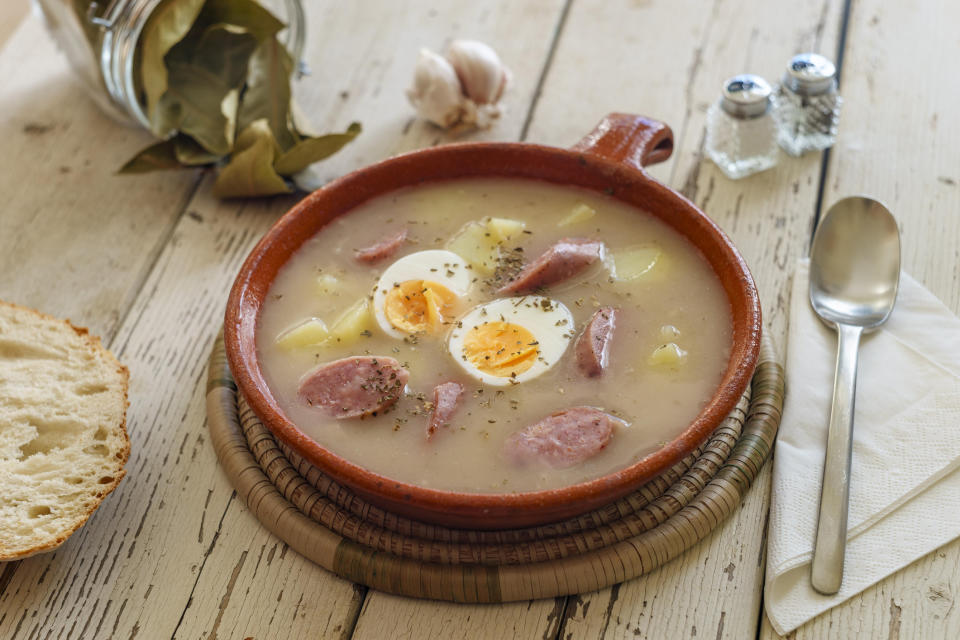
x: 854, y: 276
x: 855, y: 263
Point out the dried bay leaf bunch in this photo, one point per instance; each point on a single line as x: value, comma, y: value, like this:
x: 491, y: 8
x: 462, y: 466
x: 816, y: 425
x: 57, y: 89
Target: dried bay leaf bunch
x: 215, y: 81
x: 462, y: 89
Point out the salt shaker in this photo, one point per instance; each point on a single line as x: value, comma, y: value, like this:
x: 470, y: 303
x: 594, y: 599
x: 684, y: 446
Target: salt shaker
x: 807, y: 105
x: 741, y: 133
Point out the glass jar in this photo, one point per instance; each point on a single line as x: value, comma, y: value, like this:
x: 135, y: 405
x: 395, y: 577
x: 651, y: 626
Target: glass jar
x: 807, y: 105
x: 741, y: 132
x: 100, y: 41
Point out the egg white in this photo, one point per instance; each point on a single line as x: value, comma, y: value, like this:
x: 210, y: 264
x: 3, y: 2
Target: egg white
x: 550, y: 322
x: 435, y: 265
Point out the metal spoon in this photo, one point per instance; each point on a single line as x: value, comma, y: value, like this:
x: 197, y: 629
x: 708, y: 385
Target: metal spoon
x: 854, y: 275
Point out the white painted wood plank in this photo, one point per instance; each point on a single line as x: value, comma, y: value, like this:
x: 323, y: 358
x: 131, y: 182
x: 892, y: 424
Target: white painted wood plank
x: 362, y: 56
x: 173, y: 552
x: 386, y: 616
x: 134, y: 564
x: 898, y: 142
x: 621, y: 57
x: 668, y: 60
x: 75, y: 239
x: 134, y: 568
x: 11, y: 13
x: 269, y: 591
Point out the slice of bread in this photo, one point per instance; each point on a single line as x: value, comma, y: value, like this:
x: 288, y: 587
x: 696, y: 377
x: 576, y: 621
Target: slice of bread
x: 63, y: 437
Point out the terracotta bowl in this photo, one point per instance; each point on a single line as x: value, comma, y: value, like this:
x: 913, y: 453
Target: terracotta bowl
x: 611, y: 159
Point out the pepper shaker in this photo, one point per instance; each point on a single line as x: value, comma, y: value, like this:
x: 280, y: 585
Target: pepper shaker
x: 807, y: 105
x: 741, y: 132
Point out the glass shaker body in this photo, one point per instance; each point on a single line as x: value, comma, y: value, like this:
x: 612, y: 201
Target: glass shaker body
x: 741, y: 133
x: 807, y: 105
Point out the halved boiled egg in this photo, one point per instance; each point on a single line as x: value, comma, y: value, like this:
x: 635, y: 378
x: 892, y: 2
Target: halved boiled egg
x: 511, y: 340
x: 420, y: 292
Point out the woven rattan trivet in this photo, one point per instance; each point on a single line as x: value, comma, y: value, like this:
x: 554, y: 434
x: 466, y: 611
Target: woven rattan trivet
x: 362, y: 543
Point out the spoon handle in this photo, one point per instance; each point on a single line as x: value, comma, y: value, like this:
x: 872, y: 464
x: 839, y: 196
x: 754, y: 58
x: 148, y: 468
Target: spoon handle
x: 827, y: 571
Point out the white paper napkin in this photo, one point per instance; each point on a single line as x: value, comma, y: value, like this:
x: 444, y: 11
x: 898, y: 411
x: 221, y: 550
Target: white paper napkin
x: 905, y: 479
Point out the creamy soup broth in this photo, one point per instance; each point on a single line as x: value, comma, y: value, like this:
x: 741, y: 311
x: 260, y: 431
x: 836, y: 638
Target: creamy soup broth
x: 656, y: 397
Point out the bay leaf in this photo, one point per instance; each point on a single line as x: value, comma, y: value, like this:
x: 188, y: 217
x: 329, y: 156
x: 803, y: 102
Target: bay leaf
x: 189, y: 152
x: 254, y: 133
x: 311, y: 150
x: 250, y: 171
x: 246, y: 14
x: 268, y: 91
x: 168, y: 24
x: 166, y: 116
x: 193, y: 105
x: 156, y: 157
x: 222, y: 49
x: 205, y: 75
x: 178, y: 152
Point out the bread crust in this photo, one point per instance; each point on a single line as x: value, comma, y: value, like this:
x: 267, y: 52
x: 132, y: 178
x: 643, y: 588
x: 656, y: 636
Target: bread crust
x: 95, y: 345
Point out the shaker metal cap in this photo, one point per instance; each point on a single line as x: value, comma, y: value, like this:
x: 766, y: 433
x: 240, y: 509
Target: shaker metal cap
x: 809, y: 74
x: 745, y: 96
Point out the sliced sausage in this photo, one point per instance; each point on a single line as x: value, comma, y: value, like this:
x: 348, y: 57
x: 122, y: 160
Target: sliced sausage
x: 561, y: 261
x: 383, y: 249
x: 562, y: 439
x: 354, y: 386
x: 593, y: 345
x: 446, y: 396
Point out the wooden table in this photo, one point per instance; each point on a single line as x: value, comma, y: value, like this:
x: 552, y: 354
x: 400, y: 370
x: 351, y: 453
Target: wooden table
x: 146, y: 262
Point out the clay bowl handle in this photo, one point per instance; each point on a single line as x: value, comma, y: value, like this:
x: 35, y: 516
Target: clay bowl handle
x: 633, y: 140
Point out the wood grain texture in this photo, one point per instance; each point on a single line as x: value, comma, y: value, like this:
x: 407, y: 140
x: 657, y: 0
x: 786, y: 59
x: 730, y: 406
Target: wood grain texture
x: 11, y: 14
x: 387, y: 616
x: 135, y: 564
x: 711, y: 589
x: 173, y: 553
x: 906, y: 155
x: 362, y: 55
x: 75, y: 239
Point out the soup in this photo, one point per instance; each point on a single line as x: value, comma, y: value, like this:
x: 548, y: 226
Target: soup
x: 494, y: 335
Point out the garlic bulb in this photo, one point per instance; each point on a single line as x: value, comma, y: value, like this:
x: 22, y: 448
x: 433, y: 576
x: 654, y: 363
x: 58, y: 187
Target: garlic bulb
x: 482, y: 75
x: 436, y: 93
x: 460, y: 91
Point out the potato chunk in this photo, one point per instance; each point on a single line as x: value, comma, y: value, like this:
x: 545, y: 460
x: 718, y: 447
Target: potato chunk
x: 475, y: 244
x: 352, y: 323
x: 308, y: 333
x: 635, y: 262
x: 478, y: 242
x: 580, y: 213
x: 503, y: 229
x: 668, y: 355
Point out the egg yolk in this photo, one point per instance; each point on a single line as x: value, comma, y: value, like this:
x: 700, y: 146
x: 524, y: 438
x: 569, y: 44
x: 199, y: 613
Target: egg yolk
x: 500, y: 348
x: 418, y: 305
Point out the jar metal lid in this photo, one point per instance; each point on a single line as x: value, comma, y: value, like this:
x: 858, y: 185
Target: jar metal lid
x: 809, y: 74
x: 745, y: 96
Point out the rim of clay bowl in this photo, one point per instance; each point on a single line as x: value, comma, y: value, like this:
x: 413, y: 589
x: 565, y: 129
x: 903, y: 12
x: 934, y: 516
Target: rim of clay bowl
x: 609, y: 160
